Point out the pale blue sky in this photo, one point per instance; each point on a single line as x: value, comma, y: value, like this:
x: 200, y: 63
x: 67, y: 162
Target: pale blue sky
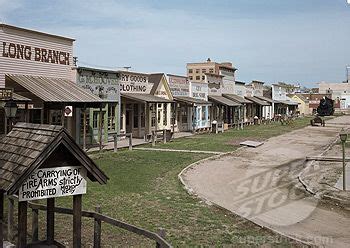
x: 270, y: 40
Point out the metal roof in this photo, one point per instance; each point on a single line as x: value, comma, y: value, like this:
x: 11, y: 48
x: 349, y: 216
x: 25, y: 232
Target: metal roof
x: 191, y: 100
x: 287, y: 102
x: 257, y: 101
x: 224, y: 101
x: 145, y: 98
x: 29, y: 145
x: 18, y: 98
x: 237, y: 98
x: 55, y: 89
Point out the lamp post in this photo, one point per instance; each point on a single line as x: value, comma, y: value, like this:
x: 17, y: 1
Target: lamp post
x: 10, y: 111
x: 343, y: 137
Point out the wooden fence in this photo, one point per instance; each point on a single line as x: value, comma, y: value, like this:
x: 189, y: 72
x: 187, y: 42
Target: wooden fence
x: 98, y: 217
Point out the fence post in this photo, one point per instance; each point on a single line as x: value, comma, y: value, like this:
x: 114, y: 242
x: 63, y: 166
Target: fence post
x: 164, y: 136
x: 97, y: 229
x: 10, y: 220
x: 115, y: 143
x: 161, y: 233
x: 35, y: 225
x: 130, y: 142
x: 154, y: 137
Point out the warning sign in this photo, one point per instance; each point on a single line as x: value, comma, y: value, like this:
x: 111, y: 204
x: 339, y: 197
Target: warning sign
x: 53, y: 182
x: 68, y: 111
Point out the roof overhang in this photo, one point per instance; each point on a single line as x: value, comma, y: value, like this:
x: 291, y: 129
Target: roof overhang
x: 146, y: 98
x: 224, y: 101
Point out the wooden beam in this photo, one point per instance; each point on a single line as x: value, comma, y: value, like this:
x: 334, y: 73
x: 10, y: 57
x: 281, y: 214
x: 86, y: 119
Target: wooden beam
x: 50, y: 221
x: 22, y: 224
x: 100, y: 128
x: 329, y: 159
x: 77, y: 209
x: 10, y: 218
x: 84, y: 129
x: 2, y: 221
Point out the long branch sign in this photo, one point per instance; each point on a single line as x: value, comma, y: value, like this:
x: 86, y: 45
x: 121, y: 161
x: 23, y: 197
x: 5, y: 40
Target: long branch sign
x: 53, y: 182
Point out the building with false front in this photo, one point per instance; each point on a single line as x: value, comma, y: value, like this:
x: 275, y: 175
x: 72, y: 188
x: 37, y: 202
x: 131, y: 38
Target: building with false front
x: 104, y: 84
x: 192, y: 106
x: 282, y: 104
x: 145, y: 103
x: 260, y: 107
x: 38, y: 67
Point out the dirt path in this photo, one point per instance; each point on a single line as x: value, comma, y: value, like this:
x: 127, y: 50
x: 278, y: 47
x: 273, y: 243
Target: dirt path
x: 261, y: 184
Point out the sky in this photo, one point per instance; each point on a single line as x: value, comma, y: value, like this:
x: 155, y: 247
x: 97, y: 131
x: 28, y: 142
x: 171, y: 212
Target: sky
x: 296, y: 41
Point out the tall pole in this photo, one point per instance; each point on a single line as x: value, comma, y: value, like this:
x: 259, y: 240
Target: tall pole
x: 344, y: 176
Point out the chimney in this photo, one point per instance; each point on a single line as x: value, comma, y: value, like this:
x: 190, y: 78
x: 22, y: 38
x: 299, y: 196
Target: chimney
x: 208, y: 60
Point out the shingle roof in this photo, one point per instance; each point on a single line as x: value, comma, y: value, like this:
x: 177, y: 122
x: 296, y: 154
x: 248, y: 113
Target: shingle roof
x: 28, y: 145
x: 54, y: 89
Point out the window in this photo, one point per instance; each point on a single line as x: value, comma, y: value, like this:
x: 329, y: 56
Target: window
x: 197, y: 70
x: 211, y: 70
x: 56, y: 117
x: 165, y: 114
x: 136, y: 115
x: 95, y: 120
x: 111, y: 117
x: 153, y: 115
x: 184, y: 114
x: 191, y: 78
x: 204, y: 70
x: 142, y: 114
x: 204, y: 111
x: 203, y: 77
x: 198, y: 78
x: 190, y: 71
x: 82, y: 121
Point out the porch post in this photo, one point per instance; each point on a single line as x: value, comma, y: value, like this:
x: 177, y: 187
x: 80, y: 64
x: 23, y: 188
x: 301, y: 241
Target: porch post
x: 84, y: 129
x: 156, y: 105
x: 77, y: 199
x: 22, y: 224
x: 1, y: 218
x: 26, y: 113
x: 100, y: 128
x: 50, y: 221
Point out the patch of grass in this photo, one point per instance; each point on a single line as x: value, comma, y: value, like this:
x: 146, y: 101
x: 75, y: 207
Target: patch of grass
x: 144, y: 190
x: 229, y: 140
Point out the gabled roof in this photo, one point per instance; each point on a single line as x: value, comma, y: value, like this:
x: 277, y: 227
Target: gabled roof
x: 157, y: 79
x: 28, y: 146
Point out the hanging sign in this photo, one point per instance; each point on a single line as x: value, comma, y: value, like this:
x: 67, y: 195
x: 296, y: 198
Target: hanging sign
x: 53, y: 182
x: 68, y: 111
x: 5, y: 93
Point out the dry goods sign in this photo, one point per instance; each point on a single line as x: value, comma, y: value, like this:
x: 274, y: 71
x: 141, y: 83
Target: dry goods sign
x: 53, y: 182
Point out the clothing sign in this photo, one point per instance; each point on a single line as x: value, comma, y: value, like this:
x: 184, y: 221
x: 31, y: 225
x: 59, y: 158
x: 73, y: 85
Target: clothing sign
x: 53, y: 182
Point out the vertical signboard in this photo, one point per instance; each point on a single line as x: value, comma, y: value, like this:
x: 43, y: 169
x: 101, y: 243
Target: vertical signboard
x: 199, y: 91
x: 179, y: 86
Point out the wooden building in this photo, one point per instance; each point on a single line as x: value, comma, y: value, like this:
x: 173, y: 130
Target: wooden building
x: 145, y: 103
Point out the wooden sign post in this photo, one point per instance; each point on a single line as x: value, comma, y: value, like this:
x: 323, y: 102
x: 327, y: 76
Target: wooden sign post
x: 57, y: 167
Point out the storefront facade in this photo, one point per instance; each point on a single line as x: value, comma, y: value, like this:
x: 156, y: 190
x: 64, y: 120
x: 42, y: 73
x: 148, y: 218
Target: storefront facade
x: 145, y: 103
x: 38, y: 66
x: 191, y: 113
x: 282, y: 104
x: 105, y: 85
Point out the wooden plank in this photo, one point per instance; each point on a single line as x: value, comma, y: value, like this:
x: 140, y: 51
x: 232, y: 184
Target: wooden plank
x: 250, y: 143
x: 50, y: 221
x: 97, y: 229
x: 329, y: 159
x: 10, y: 219
x: 22, y: 224
x: 2, y: 220
x: 35, y: 225
x: 77, y: 207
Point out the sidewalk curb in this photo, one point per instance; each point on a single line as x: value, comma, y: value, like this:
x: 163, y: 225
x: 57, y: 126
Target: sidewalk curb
x: 191, y: 192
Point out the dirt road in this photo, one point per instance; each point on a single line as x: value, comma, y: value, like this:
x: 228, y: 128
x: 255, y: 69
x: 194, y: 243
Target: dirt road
x: 261, y: 184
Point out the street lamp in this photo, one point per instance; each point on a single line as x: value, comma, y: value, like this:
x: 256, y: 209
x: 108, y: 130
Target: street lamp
x: 10, y: 110
x: 343, y: 137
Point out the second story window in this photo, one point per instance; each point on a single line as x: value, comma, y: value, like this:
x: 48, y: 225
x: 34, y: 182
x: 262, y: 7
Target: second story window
x: 198, y: 78
x: 204, y: 70
x: 190, y: 71
x: 197, y: 70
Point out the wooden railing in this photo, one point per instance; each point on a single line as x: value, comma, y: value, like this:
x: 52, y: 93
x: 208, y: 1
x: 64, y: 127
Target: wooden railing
x: 98, y: 219
x: 115, y: 139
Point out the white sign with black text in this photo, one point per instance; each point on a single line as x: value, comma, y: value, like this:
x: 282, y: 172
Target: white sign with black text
x: 53, y: 182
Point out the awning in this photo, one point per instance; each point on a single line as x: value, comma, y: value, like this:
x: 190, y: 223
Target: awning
x: 191, y: 100
x: 266, y: 99
x: 224, y: 101
x: 237, y: 98
x: 55, y: 90
x: 18, y: 98
x: 286, y: 102
x: 145, y: 98
x: 257, y: 101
